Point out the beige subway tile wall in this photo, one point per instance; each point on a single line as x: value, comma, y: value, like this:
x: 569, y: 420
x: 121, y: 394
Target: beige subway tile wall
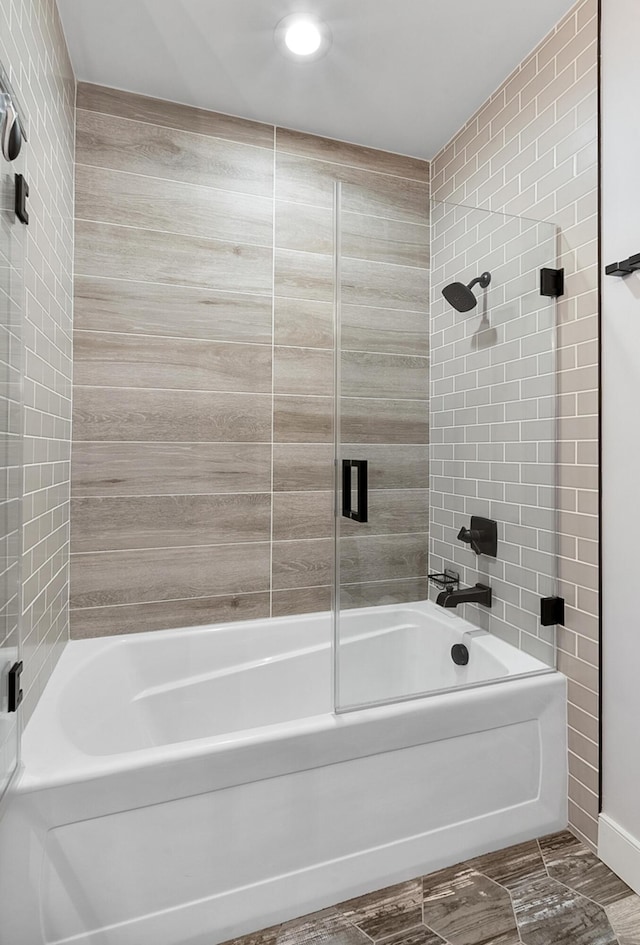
x: 532, y: 150
x: 34, y: 53
x: 202, y: 482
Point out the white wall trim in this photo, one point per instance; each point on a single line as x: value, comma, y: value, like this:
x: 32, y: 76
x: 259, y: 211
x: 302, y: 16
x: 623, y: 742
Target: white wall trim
x: 620, y: 851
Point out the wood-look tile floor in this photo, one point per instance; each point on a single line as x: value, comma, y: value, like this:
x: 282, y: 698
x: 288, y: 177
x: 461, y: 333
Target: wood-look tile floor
x: 552, y: 891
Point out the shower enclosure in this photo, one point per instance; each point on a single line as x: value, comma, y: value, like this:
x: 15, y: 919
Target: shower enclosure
x: 440, y: 416
x: 11, y: 315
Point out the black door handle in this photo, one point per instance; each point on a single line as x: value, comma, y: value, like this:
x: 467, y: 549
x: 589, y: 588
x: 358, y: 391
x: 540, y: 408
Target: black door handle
x: 361, y: 514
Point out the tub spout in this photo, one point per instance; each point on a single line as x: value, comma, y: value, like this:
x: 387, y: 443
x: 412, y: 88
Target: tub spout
x: 480, y: 594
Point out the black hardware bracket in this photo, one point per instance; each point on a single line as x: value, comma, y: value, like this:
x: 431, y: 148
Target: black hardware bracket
x: 551, y: 611
x: 14, y: 692
x: 448, y: 580
x: 552, y: 283
x: 625, y: 267
x: 22, y: 192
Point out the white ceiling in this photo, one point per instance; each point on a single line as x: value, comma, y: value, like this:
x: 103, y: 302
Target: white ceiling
x: 403, y: 75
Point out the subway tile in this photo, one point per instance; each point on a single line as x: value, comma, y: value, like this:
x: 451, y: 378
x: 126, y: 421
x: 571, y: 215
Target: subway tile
x: 109, y: 359
x: 126, y: 522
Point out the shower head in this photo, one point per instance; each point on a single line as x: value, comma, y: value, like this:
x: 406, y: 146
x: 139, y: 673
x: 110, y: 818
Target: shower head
x: 460, y: 295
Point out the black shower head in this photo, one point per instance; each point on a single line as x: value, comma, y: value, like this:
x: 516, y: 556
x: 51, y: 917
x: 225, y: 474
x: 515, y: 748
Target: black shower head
x: 460, y: 295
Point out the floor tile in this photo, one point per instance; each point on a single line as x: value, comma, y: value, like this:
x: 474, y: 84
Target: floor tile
x: 320, y: 928
x: 467, y: 908
x: 386, y: 912
x: 421, y: 935
x: 571, y: 863
x: 549, y: 913
x: 512, y: 865
x: 624, y: 917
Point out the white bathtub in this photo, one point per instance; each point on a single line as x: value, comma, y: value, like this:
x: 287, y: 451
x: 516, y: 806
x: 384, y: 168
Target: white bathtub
x: 183, y: 787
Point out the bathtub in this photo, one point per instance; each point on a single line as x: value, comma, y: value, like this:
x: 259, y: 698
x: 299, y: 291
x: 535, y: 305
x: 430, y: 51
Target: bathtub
x: 187, y: 786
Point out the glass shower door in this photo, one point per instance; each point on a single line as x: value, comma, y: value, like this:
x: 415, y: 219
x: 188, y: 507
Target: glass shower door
x: 11, y: 306
x: 382, y: 433
x: 443, y: 413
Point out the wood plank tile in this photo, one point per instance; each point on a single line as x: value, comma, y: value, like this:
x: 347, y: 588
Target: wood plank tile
x: 301, y: 180
x: 154, y: 151
x: 201, y: 121
x: 512, y: 865
x: 170, y: 311
x: 120, y: 252
x: 303, y: 371
x: 303, y: 322
x: 392, y: 421
x: 379, y: 593
x: 311, y: 230
x: 624, y: 917
x: 393, y: 467
x: 466, y: 908
x: 392, y: 511
x: 386, y: 911
x: 303, y: 515
x: 547, y: 911
x: 354, y: 155
x: 128, y: 577
x: 298, y: 419
x: 102, y: 413
x: 382, y: 558
x: 302, y: 564
x: 304, y: 600
x: 365, y: 328
x: 322, y: 928
x: 384, y: 286
x: 108, y: 196
x: 167, y: 615
x: 120, y: 523
x: 112, y: 469
x: 109, y: 359
x: 386, y: 376
x: 304, y: 276
x: 304, y: 466
x: 572, y: 864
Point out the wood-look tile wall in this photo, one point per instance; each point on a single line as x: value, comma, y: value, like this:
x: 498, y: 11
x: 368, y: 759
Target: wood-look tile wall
x: 202, y: 469
x: 532, y: 150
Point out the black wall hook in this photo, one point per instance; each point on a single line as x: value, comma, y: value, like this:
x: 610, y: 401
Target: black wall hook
x: 625, y: 267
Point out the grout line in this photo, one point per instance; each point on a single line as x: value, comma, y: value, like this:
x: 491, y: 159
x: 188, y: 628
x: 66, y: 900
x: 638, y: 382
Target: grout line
x: 273, y: 371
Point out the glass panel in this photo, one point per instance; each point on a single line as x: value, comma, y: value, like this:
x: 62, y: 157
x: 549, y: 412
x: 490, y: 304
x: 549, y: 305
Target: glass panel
x: 492, y: 416
x: 11, y: 306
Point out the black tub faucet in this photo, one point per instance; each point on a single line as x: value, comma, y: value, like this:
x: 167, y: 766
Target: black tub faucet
x: 480, y: 594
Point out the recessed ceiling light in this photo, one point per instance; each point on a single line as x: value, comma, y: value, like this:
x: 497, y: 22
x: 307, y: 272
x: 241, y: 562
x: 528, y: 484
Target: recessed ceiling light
x: 303, y: 37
